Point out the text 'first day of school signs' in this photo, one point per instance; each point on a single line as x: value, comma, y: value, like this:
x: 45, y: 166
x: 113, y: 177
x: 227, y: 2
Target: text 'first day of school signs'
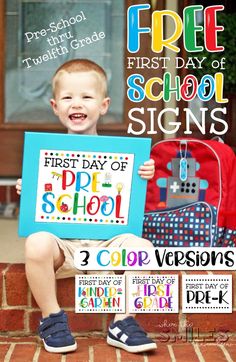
x: 78, y: 186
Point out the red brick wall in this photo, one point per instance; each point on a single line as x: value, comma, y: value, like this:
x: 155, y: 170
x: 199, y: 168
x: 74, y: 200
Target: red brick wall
x: 19, y: 313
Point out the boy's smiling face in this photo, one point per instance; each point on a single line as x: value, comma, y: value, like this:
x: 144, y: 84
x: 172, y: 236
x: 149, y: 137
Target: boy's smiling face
x: 80, y: 101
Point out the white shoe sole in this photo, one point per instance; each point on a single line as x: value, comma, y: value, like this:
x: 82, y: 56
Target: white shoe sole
x: 65, y: 349
x: 132, y: 349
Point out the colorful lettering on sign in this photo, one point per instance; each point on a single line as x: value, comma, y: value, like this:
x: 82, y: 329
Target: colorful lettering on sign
x: 148, y: 294
x: 188, y: 27
x: 187, y: 89
x: 84, y: 188
x: 99, y: 294
x: 106, y: 257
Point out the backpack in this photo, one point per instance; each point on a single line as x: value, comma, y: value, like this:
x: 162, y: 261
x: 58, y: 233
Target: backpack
x: 191, y: 200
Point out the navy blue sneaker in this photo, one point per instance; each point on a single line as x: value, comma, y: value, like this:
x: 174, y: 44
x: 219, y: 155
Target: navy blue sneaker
x: 55, y: 333
x: 128, y: 335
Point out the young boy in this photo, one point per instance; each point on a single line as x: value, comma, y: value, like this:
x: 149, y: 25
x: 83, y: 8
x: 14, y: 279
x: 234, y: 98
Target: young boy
x: 79, y: 99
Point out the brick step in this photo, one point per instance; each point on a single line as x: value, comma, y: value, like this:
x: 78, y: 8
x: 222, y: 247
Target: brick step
x: 96, y: 350
x: 19, y: 313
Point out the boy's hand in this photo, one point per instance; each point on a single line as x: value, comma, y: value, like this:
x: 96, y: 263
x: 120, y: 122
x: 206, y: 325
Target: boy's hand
x: 147, y: 170
x: 18, y: 186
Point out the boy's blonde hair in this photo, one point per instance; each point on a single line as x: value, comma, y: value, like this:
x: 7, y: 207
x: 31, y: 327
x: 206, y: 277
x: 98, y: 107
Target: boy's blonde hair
x: 81, y: 65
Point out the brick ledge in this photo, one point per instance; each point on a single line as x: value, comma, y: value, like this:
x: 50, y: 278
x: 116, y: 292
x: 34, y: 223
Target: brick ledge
x: 19, y: 313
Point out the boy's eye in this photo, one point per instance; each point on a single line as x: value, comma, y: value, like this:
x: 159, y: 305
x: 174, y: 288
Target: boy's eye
x: 88, y: 97
x: 66, y: 97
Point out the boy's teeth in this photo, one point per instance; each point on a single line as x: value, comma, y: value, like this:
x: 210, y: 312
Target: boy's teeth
x: 77, y: 116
